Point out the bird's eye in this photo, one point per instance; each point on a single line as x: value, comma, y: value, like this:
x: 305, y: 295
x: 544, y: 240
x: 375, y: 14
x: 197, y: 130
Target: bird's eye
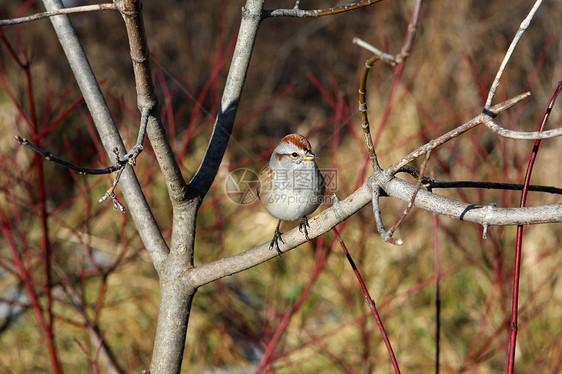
x: 294, y: 154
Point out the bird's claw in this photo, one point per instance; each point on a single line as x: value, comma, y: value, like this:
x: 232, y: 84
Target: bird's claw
x: 303, y: 227
x: 275, y: 241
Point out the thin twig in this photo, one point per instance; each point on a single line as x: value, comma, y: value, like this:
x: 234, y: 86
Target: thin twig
x: 412, y: 30
x: 119, y: 166
x: 147, y: 102
x: 370, y: 302
x: 50, y: 157
x: 387, y: 57
x: 110, y: 193
x: 413, y: 199
x: 363, y: 110
x: 488, y: 112
x: 495, y: 110
x: 431, y: 183
x: 385, y: 235
x: 519, y: 238
x: 491, y: 186
x: 534, y: 135
x: 132, y: 155
x: 78, y: 9
x: 393, y: 60
x: 406, y: 46
x: 301, y: 13
x: 437, y: 292
x: 524, y: 25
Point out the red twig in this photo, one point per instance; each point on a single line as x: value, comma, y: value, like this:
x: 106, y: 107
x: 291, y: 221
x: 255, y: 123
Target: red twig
x: 437, y: 291
x: 216, y: 64
x: 370, y: 302
x: 27, y: 281
x: 48, y: 327
x: 321, y: 257
x: 92, y: 360
x: 519, y: 239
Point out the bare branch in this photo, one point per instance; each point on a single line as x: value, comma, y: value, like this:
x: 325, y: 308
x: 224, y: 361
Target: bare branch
x: 395, y: 187
x: 109, y: 135
x: 411, y: 202
x: 387, y: 57
x: 524, y: 25
x: 385, y: 235
x: 120, y: 164
x: 78, y: 9
x: 412, y: 30
x: 363, y: 110
x: 431, y: 184
x: 301, y: 13
x: 473, y: 213
x: 534, y: 135
x: 132, y: 155
x: 251, y: 17
x: 118, y: 167
x: 481, y: 118
x: 147, y: 101
x: 393, y: 60
x: 51, y: 157
x: 406, y: 46
x: 110, y: 193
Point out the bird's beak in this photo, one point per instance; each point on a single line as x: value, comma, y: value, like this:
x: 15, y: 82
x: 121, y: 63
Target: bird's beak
x: 309, y: 156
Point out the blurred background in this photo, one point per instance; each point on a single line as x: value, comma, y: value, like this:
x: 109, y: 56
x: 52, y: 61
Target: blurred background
x: 303, y: 78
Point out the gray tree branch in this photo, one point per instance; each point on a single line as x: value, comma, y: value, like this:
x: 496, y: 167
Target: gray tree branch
x: 302, y: 13
x: 148, y: 101
x: 487, y: 215
x: 251, y: 18
x: 108, y: 132
x: 176, y: 294
x: 73, y: 10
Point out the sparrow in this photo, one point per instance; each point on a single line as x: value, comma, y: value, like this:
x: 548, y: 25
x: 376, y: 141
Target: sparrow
x: 291, y: 186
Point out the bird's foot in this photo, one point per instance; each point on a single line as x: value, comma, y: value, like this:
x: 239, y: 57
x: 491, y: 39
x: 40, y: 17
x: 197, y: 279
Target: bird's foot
x: 303, y: 227
x: 276, y: 238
